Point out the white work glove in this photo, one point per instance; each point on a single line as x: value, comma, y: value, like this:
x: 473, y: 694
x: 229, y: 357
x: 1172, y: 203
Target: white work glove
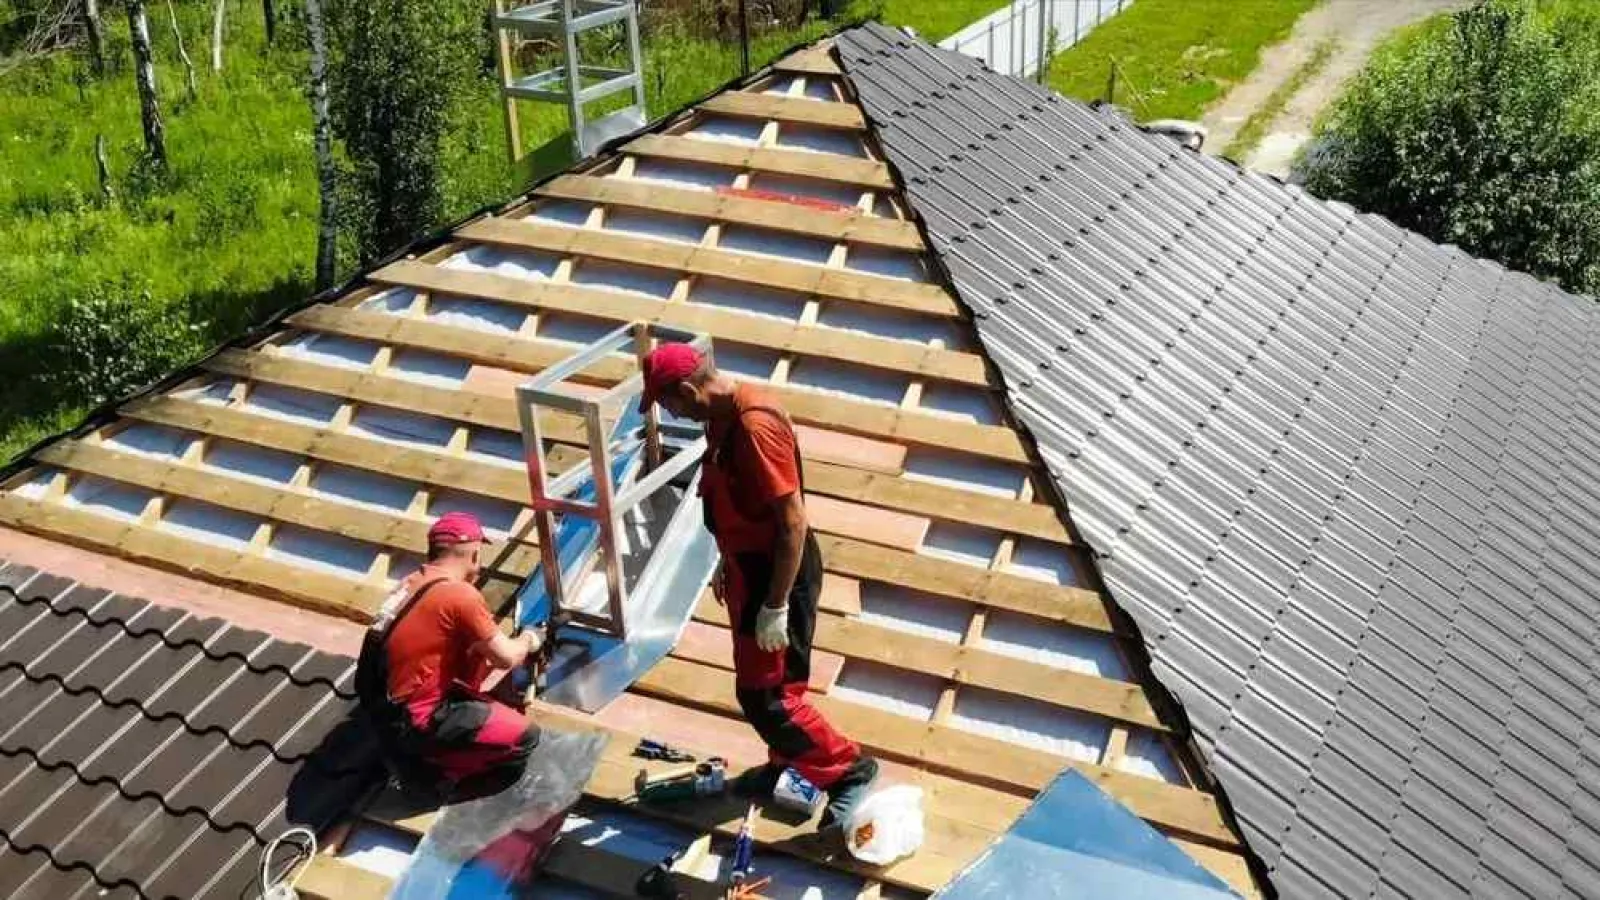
x: 772, y: 627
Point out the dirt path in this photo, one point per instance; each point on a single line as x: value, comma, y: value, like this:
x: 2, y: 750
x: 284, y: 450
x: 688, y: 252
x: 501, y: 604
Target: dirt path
x: 1355, y: 27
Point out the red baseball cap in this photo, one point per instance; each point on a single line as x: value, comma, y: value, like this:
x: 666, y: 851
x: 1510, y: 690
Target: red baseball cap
x: 665, y: 366
x: 456, y: 528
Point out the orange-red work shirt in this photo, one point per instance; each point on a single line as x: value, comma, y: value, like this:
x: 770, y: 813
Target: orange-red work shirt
x: 750, y: 466
x: 431, y: 646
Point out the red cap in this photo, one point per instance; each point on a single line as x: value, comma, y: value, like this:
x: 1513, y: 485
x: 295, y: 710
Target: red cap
x: 665, y: 366
x: 456, y: 528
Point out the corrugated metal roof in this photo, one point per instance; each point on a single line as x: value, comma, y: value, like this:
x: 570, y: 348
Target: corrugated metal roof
x: 146, y: 752
x: 1345, y: 479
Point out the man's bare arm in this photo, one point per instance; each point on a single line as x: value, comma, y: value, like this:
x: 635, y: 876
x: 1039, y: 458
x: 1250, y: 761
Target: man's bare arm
x: 790, y: 513
x: 504, y: 652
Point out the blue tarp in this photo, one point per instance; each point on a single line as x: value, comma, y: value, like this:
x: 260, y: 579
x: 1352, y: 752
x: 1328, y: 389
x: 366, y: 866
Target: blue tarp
x: 1076, y: 843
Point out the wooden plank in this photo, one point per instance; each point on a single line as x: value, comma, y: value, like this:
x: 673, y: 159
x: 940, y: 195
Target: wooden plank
x: 515, y: 559
x: 1229, y: 865
x: 329, y: 878
x: 806, y: 407
x: 1118, y: 700
x: 506, y: 351
x: 821, y: 113
x: 411, y: 464
x: 488, y: 411
x: 849, y: 224
x: 959, y: 753
x: 946, y: 578
x: 949, y: 843
x: 867, y: 173
x: 723, y: 325
x: 145, y: 543
x: 809, y: 61
x: 938, y: 501
x: 888, y: 491
x: 834, y: 284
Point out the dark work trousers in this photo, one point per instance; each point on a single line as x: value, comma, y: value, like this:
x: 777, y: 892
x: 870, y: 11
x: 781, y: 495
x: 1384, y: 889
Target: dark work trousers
x: 771, y: 686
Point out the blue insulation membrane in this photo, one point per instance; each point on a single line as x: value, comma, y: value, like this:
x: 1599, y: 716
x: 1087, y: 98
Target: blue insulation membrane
x: 1076, y: 843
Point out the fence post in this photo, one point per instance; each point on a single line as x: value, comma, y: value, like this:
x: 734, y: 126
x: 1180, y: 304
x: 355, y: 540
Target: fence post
x: 1077, y: 20
x: 1044, y: 33
x: 991, y: 42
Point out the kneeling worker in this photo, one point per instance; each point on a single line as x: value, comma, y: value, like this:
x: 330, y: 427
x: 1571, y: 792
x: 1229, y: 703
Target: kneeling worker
x: 752, y: 489
x: 424, y: 663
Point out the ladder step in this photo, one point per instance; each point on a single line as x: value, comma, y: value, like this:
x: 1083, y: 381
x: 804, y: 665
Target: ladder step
x: 545, y: 18
x: 551, y: 84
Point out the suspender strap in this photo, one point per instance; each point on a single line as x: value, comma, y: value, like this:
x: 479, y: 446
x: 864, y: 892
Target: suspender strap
x: 409, y: 604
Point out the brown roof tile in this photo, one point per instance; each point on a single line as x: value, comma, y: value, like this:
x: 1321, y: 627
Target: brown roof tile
x: 145, y: 752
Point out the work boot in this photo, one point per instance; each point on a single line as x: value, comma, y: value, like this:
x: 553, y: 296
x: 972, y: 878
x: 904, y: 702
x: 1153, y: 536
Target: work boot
x: 758, y: 782
x: 844, y: 794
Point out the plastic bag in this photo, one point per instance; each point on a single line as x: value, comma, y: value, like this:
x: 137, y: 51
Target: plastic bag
x: 886, y: 825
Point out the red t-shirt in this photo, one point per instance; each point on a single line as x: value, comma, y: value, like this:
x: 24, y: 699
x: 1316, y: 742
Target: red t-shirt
x: 751, y: 469
x: 431, y: 646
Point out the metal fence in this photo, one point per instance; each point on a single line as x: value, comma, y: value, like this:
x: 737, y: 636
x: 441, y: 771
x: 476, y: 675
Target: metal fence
x: 1020, y: 39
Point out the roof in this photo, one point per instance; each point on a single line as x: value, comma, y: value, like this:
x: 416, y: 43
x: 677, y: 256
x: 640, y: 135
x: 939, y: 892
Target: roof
x: 964, y: 635
x: 145, y: 752
x: 1345, y: 479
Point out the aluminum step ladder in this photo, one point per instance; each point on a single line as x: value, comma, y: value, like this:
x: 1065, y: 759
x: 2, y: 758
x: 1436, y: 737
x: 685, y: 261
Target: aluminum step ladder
x: 571, y: 83
x: 624, y: 554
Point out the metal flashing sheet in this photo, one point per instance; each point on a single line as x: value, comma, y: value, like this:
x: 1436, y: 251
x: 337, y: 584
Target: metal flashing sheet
x: 1076, y: 843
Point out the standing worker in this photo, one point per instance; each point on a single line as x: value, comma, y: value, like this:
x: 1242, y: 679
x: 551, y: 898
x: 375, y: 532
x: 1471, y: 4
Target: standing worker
x: 752, y: 488
x: 423, y: 665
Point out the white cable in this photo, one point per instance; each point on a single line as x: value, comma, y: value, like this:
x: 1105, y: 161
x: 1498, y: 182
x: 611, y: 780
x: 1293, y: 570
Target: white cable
x: 282, y: 887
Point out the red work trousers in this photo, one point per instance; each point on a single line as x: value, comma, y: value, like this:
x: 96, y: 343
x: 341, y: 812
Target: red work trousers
x: 771, y: 685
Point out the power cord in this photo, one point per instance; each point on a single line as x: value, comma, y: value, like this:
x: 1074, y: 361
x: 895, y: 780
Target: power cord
x: 282, y: 887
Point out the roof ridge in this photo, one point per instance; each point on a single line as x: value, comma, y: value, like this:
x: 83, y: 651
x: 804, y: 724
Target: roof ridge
x: 138, y: 630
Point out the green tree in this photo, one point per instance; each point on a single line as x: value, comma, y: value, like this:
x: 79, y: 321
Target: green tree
x: 1480, y: 130
x: 397, y: 72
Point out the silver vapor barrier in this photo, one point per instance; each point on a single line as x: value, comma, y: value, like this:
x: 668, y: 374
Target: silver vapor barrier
x: 623, y: 550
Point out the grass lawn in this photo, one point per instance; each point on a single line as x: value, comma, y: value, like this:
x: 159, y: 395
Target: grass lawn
x: 1175, y: 56
x: 228, y: 234
x: 935, y: 20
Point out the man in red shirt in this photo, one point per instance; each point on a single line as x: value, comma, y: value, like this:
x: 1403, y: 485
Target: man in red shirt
x: 752, y: 488
x: 437, y: 643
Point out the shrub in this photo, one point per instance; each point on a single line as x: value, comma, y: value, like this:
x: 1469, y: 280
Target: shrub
x: 117, y: 338
x: 1479, y: 130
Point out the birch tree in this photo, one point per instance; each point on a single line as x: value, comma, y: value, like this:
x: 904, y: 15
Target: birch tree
x: 322, y: 138
x: 144, y: 74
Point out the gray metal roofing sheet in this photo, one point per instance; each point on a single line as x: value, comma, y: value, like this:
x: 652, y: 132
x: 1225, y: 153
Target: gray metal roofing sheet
x: 1345, y: 480
x: 149, y: 753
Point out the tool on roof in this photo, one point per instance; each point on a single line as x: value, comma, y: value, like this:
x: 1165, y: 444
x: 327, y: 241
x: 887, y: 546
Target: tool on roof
x: 705, y: 779
x: 623, y: 550
x: 750, y: 890
x: 660, y: 750
x: 744, y: 848
x: 656, y: 882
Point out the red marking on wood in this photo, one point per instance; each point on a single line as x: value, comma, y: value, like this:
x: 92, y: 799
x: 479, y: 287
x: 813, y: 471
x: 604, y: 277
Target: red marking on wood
x: 781, y: 197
